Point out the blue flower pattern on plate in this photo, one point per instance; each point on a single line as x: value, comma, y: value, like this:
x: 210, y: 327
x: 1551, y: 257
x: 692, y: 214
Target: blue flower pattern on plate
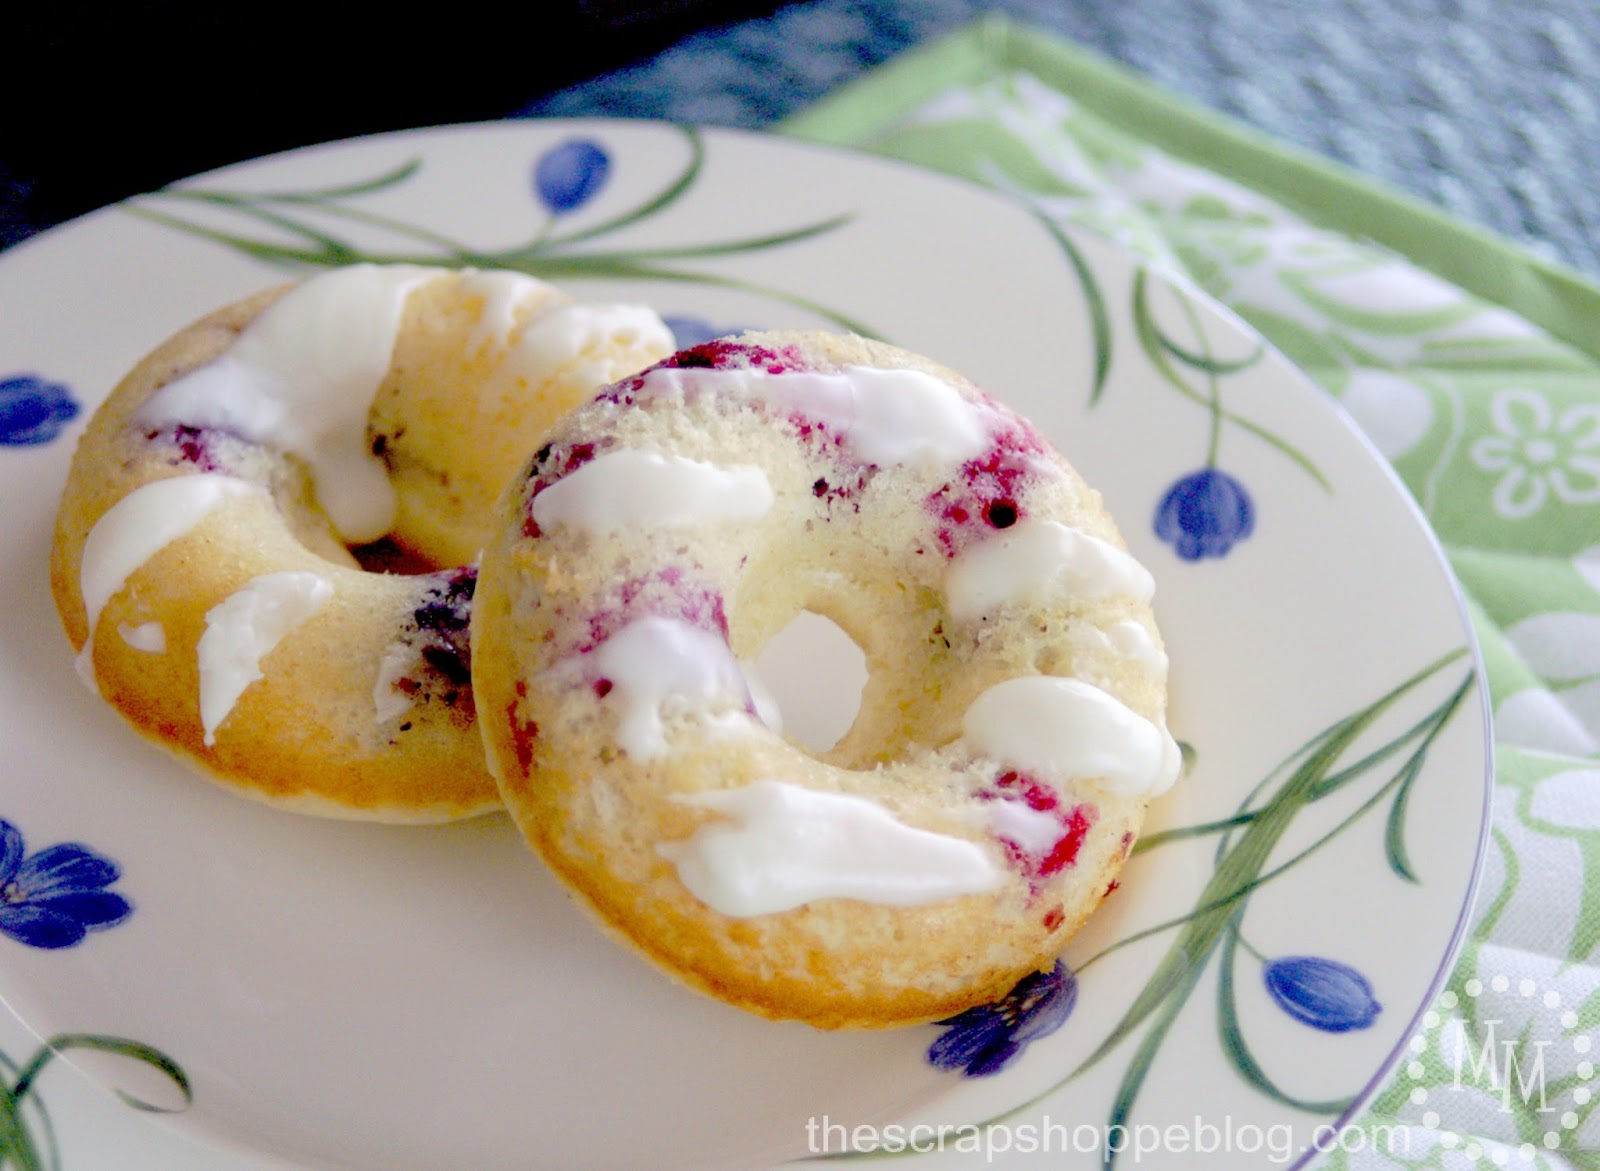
x: 1205, y: 514
x: 570, y: 174
x: 32, y: 410
x: 1322, y: 993
x: 53, y: 898
x: 986, y: 1039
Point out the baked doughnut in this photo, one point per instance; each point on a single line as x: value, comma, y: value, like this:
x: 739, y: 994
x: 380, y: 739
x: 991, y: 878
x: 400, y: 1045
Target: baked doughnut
x: 1010, y: 735
x: 215, y: 545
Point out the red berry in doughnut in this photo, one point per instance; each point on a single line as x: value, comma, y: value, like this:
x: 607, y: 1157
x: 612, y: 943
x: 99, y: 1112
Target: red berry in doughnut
x: 223, y: 543
x: 1009, y: 737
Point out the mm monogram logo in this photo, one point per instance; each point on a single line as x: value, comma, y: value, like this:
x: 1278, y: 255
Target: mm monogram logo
x: 1507, y: 1068
x: 1542, y: 1080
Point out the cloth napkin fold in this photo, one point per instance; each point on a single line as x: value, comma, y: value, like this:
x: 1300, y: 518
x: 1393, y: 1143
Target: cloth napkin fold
x: 1475, y: 370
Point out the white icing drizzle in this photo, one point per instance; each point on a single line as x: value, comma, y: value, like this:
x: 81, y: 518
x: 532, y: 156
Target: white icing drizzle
x: 1065, y: 730
x: 502, y: 292
x: 242, y: 628
x: 630, y: 488
x: 301, y: 379
x: 150, y: 637
x: 1035, y: 558
x: 656, y: 665
x: 591, y: 332
x: 780, y: 846
x: 135, y: 529
x: 883, y: 417
x: 1033, y: 830
x: 1132, y: 640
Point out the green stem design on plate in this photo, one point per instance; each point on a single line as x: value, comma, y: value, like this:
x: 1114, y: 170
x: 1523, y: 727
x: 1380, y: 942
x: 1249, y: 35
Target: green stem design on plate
x: 1329, y: 763
x: 1094, y: 303
x: 1172, y: 359
x: 1247, y: 840
x: 298, y: 242
x: 22, y: 1109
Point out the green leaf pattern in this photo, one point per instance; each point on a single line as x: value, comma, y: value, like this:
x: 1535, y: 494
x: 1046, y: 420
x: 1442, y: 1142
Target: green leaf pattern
x: 28, y: 1139
x: 291, y: 230
x: 1494, y: 426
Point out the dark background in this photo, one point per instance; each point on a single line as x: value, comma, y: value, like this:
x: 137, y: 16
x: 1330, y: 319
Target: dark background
x: 1489, y: 109
x: 108, y: 100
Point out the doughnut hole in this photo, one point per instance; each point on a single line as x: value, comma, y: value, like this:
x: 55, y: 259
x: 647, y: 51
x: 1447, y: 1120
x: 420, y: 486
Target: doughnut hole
x: 815, y: 673
x: 855, y: 697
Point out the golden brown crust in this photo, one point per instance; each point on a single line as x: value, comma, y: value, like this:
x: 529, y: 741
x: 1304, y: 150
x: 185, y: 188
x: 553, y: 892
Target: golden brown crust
x: 871, y: 558
x: 309, y: 736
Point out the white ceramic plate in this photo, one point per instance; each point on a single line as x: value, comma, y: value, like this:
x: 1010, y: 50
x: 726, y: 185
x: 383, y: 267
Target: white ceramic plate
x: 348, y: 996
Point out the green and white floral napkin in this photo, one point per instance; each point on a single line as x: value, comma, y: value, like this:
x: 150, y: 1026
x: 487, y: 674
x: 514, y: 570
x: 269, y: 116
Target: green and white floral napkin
x: 1475, y: 370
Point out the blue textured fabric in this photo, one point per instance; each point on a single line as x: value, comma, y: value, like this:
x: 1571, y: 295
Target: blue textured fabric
x: 1485, y: 108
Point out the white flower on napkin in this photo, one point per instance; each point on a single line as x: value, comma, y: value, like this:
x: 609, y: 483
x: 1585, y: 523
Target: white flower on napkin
x: 1538, y: 452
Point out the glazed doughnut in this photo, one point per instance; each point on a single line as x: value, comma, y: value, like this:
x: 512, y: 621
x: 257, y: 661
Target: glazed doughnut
x: 215, y: 547
x: 1008, y: 740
